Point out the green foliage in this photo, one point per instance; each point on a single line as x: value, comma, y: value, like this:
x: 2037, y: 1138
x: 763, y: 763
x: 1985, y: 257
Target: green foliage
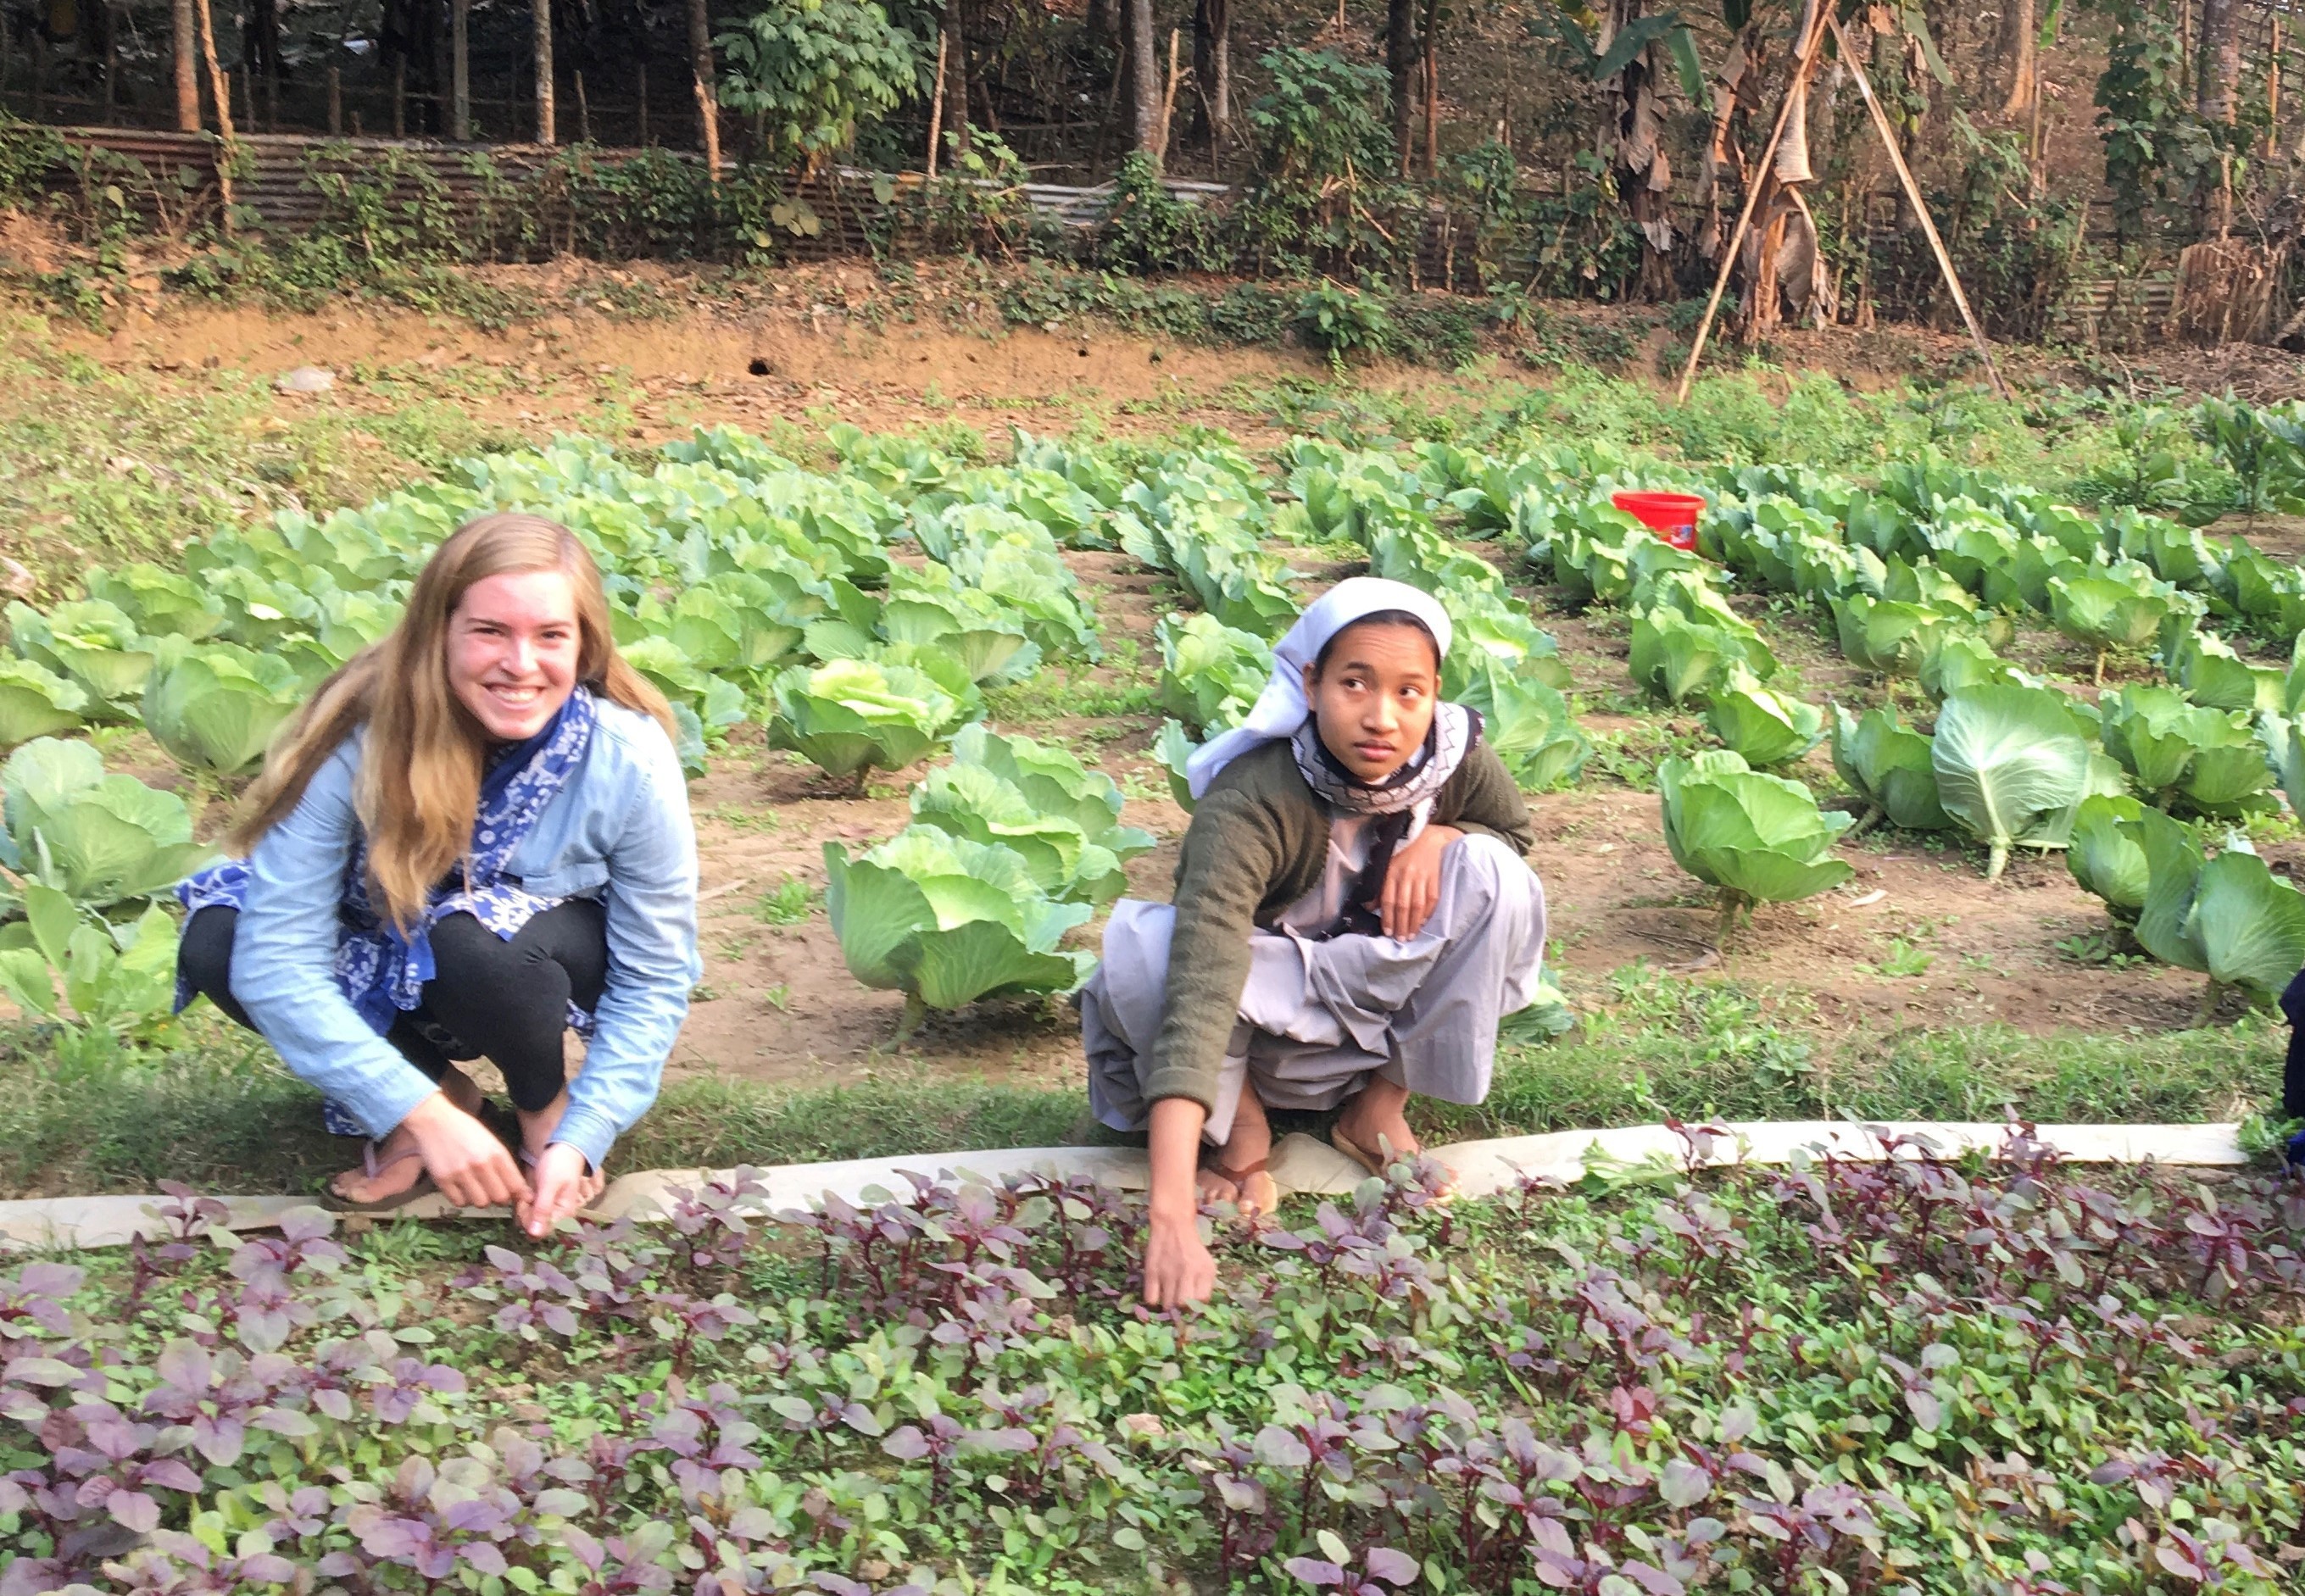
x: 2013, y: 767
x: 1890, y: 767
x: 853, y: 716
x: 947, y: 921
x: 2209, y: 762
x: 1149, y: 230
x: 1342, y: 322
x: 809, y: 72
x: 115, y: 980
x: 1036, y: 800
x: 98, y: 840
x: 2228, y: 917
x: 1759, y: 838
x: 215, y: 706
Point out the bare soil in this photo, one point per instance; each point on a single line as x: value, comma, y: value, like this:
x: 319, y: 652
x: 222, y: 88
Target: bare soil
x: 801, y: 350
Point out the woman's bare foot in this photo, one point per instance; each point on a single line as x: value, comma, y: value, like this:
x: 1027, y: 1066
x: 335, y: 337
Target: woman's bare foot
x: 397, y: 1167
x: 1377, y: 1122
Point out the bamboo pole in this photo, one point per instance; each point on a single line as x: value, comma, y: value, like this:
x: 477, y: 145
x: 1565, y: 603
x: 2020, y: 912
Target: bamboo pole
x: 1920, y: 206
x: 546, y: 131
x: 1812, y: 47
x: 1167, y: 102
x: 936, y: 101
x: 227, y: 156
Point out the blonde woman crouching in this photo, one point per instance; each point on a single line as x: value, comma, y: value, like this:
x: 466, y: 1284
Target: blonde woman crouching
x: 474, y: 837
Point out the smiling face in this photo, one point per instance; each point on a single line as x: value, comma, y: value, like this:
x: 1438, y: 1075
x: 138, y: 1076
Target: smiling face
x: 1374, y: 695
x: 513, y: 643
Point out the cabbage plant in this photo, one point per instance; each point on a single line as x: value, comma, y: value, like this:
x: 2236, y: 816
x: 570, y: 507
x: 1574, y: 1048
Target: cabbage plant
x: 947, y: 920
x: 1172, y: 749
x: 2106, y: 858
x: 1676, y: 659
x: 1527, y: 723
x: 1890, y: 766
x: 121, y: 979
x: 980, y: 634
x: 1762, y: 726
x: 1759, y: 838
x: 160, y: 603
x: 852, y: 715
x: 1892, y: 636
x: 215, y: 706
x: 37, y: 702
x: 2111, y: 610
x: 1211, y: 673
x: 90, y: 643
x: 98, y: 839
x: 2229, y: 917
x: 1063, y: 820
x: 2012, y: 765
x: 2216, y: 677
x: 2209, y: 762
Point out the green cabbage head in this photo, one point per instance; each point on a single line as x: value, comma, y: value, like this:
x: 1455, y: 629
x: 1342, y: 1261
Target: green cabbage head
x: 215, y: 706
x: 946, y: 922
x: 1759, y: 838
x: 98, y: 839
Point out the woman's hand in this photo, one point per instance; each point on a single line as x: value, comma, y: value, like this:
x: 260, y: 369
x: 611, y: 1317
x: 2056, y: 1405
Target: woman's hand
x: 1412, y: 882
x: 464, y: 1157
x: 563, y: 1183
x: 1177, y: 1266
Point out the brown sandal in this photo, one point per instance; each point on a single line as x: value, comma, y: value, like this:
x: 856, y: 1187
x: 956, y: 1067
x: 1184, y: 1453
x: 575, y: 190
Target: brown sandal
x: 337, y: 1203
x: 1240, y: 1179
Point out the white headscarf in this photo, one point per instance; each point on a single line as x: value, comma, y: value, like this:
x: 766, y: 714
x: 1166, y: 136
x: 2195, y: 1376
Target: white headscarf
x: 1282, y: 707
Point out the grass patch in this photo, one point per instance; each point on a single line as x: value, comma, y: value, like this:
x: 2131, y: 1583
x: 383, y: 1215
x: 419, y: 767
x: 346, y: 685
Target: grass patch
x: 221, y: 1115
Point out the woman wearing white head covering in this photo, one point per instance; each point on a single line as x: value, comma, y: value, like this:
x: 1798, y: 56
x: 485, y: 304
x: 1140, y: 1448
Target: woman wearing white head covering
x: 1352, y: 917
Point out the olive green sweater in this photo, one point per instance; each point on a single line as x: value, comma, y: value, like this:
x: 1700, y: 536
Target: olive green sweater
x: 1259, y: 841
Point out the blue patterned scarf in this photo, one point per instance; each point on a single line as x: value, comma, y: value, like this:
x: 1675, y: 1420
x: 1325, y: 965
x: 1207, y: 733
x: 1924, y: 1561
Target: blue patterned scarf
x: 381, y: 971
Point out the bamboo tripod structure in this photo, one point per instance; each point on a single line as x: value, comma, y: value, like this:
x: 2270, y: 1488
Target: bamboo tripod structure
x: 1812, y: 48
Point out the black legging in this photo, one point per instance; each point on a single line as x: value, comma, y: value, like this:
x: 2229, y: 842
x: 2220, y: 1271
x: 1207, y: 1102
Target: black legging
x: 505, y: 1001
x: 2293, y: 1084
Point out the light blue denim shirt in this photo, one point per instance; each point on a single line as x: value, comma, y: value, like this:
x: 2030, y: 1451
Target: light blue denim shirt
x: 619, y: 832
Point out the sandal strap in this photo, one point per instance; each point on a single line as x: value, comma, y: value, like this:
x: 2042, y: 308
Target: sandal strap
x: 1242, y: 1173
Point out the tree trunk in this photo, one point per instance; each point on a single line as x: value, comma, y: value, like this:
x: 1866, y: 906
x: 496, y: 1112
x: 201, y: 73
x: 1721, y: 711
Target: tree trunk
x: 1143, y: 77
x: 188, y: 76
x: 708, y: 95
x: 545, y: 129
x: 2217, y: 98
x: 460, y: 69
x: 956, y: 75
x: 2219, y: 73
x: 2019, y: 27
x: 1400, y: 61
x: 1431, y: 62
x: 1212, y: 72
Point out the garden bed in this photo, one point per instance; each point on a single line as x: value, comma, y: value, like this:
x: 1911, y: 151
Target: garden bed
x: 1923, y: 1373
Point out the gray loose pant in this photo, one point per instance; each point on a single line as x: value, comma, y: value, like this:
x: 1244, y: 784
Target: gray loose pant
x: 1317, y: 1018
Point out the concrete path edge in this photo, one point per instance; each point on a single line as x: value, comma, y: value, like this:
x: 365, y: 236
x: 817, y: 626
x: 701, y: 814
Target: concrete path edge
x: 1301, y: 1164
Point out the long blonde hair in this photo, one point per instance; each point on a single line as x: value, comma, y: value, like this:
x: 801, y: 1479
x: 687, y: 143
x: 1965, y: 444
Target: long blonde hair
x: 418, y: 787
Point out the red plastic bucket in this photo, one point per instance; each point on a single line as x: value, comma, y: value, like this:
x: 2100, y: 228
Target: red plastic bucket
x: 1673, y: 515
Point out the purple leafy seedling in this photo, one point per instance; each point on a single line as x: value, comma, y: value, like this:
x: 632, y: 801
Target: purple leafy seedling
x: 1378, y: 1571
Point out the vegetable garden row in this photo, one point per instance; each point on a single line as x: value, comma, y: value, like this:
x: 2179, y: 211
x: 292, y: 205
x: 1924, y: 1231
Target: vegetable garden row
x: 1844, y: 1378
x: 861, y: 615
